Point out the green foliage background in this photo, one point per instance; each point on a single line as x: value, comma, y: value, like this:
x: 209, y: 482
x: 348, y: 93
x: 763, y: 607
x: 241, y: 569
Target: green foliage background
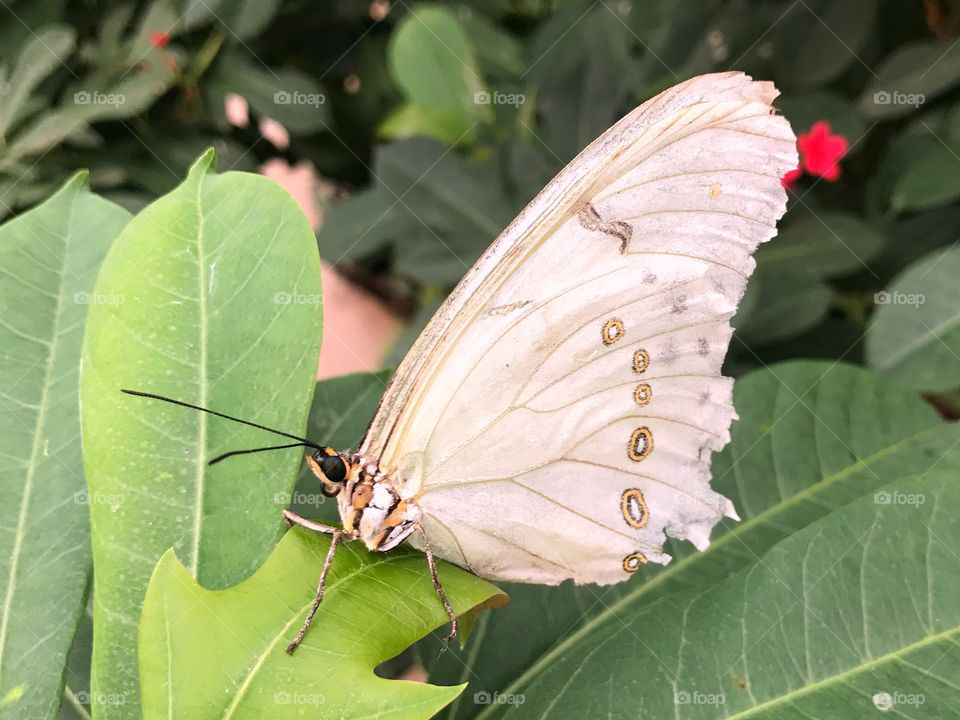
x: 436, y: 123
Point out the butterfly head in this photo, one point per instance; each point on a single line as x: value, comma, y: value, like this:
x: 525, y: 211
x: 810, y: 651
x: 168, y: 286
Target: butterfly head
x: 333, y: 469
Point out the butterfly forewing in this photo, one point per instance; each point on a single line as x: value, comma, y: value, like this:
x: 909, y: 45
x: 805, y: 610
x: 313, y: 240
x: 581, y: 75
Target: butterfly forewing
x: 557, y: 417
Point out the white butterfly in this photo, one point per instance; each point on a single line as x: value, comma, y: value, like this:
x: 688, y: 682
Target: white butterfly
x: 556, y: 418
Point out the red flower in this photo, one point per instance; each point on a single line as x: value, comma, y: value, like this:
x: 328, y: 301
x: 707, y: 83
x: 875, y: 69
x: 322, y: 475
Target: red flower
x: 820, y: 152
x: 159, y: 39
x: 790, y: 178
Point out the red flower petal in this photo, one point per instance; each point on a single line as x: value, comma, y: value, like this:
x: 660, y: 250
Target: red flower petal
x: 820, y: 152
x: 159, y: 39
x: 791, y: 178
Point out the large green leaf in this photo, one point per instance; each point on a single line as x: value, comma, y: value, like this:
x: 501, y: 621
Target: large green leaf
x: 374, y: 607
x: 49, y: 258
x: 912, y: 76
x: 220, y: 282
x: 915, y: 335
x: 434, y: 63
x: 812, y: 436
x: 929, y: 179
x: 853, y: 616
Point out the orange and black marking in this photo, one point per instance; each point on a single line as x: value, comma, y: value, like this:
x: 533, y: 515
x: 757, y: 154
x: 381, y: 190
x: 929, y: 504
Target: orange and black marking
x: 612, y: 331
x: 633, y: 561
x: 640, y: 445
x: 641, y: 361
x: 642, y: 394
x: 634, y: 508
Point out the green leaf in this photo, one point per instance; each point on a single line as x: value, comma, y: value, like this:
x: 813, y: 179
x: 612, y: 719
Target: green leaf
x: 434, y: 63
x: 930, y: 179
x: 48, y: 261
x: 374, y: 607
x: 912, y: 76
x: 816, y: 41
x: 853, y: 615
x: 827, y: 244
x: 812, y: 436
x: 439, y: 211
x: 47, y: 51
x: 215, y: 290
x: 787, y: 302
x: 915, y: 334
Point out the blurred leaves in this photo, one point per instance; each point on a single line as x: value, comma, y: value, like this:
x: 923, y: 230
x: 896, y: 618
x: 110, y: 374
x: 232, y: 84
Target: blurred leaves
x: 49, y: 258
x: 915, y: 335
x: 434, y: 64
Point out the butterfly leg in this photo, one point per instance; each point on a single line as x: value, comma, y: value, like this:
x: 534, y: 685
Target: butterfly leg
x: 292, y: 518
x: 321, y: 586
x: 436, y: 584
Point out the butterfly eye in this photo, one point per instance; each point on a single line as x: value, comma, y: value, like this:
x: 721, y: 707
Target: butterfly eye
x: 334, y: 468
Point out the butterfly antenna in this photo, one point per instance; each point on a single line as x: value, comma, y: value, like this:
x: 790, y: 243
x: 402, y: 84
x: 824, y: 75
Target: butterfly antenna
x: 226, y: 455
x: 301, y: 442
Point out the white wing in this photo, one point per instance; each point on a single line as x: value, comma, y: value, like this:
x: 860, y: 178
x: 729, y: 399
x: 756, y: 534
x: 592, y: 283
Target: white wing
x: 556, y: 418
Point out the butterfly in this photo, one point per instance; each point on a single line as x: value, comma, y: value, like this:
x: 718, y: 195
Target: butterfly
x: 556, y: 418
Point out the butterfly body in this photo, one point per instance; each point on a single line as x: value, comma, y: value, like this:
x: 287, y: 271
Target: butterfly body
x: 372, y: 509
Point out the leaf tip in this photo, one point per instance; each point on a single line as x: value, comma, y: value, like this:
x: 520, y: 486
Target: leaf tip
x: 203, y: 164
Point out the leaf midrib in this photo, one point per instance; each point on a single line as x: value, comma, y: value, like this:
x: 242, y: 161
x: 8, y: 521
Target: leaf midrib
x: 850, y: 672
x: 35, y: 448
x: 610, y: 611
x: 202, y: 369
x: 254, y: 669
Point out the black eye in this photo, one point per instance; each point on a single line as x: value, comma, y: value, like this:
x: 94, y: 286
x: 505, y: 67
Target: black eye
x: 334, y: 468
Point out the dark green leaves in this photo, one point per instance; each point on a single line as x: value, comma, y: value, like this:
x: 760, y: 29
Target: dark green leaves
x: 434, y: 64
x: 852, y: 615
x: 811, y: 438
x: 48, y: 261
x: 915, y: 336
x: 220, y: 283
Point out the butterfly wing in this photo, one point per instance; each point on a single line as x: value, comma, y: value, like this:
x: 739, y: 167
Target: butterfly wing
x: 556, y: 418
